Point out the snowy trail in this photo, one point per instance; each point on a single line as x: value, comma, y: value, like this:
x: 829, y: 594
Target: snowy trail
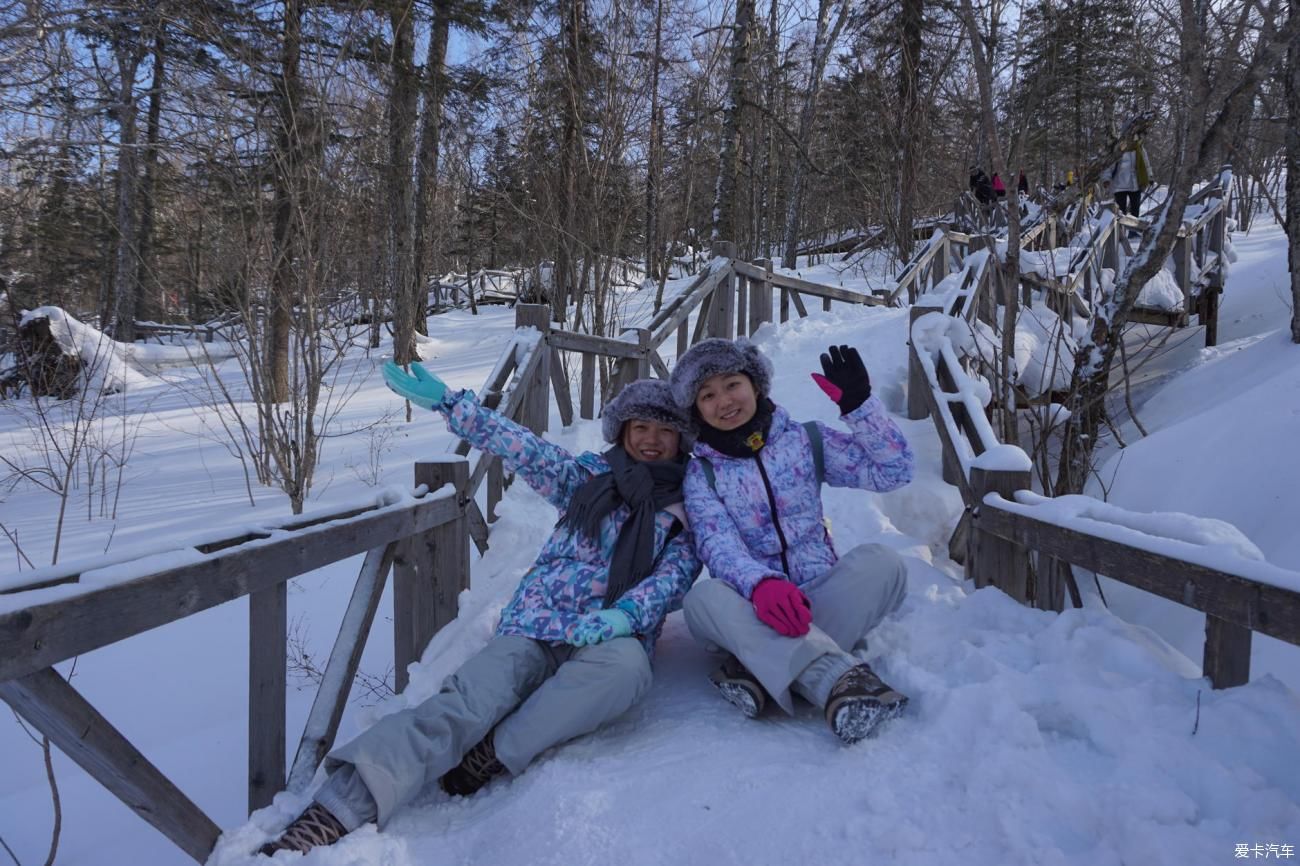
x: 1032, y: 738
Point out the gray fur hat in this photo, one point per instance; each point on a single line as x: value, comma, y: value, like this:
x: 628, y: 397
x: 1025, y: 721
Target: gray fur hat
x: 647, y: 400
x: 716, y: 355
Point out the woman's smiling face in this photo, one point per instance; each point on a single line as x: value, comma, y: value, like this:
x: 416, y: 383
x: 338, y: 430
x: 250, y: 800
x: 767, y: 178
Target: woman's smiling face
x: 726, y: 401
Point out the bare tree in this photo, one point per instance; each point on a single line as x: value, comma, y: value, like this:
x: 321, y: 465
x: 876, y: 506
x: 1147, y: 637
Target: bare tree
x: 911, y: 21
x: 434, y: 87
x: 126, y: 34
x: 1293, y: 174
x: 288, y: 168
x: 733, y: 113
x: 653, y: 241
x: 825, y: 39
x: 399, y: 238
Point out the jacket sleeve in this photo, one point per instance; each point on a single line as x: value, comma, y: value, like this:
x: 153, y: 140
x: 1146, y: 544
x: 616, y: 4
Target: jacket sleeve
x: 549, y: 469
x: 717, y: 537
x: 662, y: 591
x: 875, y: 456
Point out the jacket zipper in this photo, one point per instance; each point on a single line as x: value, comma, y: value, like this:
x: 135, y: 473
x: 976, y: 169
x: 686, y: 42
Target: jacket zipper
x: 776, y: 521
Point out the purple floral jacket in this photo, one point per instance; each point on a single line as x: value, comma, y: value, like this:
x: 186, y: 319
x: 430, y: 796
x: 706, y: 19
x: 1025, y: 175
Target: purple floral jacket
x: 569, y: 576
x: 733, y: 522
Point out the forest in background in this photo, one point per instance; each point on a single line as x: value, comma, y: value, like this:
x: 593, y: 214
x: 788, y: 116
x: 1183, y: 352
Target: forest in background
x: 171, y: 161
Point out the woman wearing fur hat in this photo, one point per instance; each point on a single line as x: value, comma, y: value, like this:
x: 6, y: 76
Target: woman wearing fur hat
x: 791, y: 613
x: 573, y: 647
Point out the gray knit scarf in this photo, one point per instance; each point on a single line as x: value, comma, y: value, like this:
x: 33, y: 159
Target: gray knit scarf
x: 645, y: 487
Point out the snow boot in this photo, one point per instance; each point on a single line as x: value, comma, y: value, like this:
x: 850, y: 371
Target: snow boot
x: 313, y: 828
x: 860, y: 702
x: 740, y: 687
x: 474, y: 771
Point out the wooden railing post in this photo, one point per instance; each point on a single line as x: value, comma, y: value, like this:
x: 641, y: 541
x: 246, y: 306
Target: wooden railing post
x: 628, y: 370
x: 990, y: 560
x: 268, y: 633
x: 916, y: 381
x: 724, y: 296
x: 742, y: 305
x: 429, y: 571
x: 760, y: 296
x: 536, y: 411
x: 1183, y: 270
x: 587, y: 397
x: 1227, y: 653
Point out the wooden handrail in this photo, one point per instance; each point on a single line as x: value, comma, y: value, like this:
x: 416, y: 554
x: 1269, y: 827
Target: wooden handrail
x: 784, y: 281
x: 663, y: 325
x: 47, y: 632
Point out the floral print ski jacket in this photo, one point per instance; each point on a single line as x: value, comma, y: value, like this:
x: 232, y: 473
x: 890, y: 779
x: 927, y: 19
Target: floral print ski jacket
x: 738, y: 538
x: 569, y: 576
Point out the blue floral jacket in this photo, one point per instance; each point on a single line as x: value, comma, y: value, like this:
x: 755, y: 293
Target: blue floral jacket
x: 569, y: 576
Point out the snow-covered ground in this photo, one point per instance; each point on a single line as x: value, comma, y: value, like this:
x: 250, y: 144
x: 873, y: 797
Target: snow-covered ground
x: 1083, y: 738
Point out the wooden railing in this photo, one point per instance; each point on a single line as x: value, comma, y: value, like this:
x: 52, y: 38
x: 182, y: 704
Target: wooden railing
x: 729, y: 298
x: 54, y: 614
x: 1013, y: 539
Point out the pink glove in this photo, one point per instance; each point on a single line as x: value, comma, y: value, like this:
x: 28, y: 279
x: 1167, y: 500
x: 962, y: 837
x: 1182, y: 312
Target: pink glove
x: 781, y: 605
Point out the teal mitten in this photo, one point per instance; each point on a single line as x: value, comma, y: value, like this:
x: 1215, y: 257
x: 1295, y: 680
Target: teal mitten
x: 423, y: 389
x: 602, y: 625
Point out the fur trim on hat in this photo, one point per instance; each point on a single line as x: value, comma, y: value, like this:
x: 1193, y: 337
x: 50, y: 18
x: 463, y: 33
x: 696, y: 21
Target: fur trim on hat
x: 713, y: 356
x: 646, y: 400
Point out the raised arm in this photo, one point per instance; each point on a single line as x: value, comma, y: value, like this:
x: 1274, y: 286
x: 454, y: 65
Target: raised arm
x: 546, y: 467
x: 717, y: 537
x: 874, y: 456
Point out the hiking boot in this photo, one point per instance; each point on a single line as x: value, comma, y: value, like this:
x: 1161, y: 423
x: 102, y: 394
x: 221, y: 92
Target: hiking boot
x: 860, y: 702
x: 740, y: 687
x: 313, y: 828
x: 474, y: 771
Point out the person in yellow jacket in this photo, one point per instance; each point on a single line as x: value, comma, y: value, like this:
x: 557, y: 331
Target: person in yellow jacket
x: 1127, y: 178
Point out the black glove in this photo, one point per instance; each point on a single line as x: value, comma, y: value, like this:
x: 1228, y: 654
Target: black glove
x: 844, y: 369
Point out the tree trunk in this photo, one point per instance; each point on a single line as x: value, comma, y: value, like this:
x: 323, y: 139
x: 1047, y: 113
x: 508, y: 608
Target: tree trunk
x: 399, y: 266
x: 1293, y: 178
x: 724, y: 199
x: 824, y: 41
x: 148, y: 191
x: 912, y: 17
x: 126, y: 258
x: 426, y: 178
x: 574, y: 19
x: 1009, y: 271
x: 285, y: 242
x: 652, y: 243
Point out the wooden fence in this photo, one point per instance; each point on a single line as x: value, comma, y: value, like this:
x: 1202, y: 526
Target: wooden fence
x: 1008, y: 540
x: 423, y: 540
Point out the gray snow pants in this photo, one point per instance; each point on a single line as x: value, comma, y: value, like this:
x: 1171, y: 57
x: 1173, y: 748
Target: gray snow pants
x: 541, y: 694
x: 851, y: 598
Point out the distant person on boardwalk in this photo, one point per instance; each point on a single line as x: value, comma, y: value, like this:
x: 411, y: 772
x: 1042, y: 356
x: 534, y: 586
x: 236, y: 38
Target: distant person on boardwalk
x: 1022, y: 184
x: 573, y: 647
x: 980, y: 186
x: 1127, y: 177
x: 999, y: 188
x: 789, y: 612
